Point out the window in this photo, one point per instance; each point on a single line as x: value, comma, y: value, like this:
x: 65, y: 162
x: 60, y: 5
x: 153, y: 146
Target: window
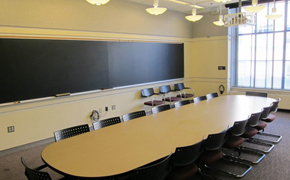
x: 263, y: 51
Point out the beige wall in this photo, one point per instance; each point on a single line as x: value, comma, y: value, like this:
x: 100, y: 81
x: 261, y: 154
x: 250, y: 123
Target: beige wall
x: 38, y: 120
x: 206, y: 28
x: 117, y: 17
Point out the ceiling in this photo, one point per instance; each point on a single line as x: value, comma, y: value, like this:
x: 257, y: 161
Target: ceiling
x: 184, y: 8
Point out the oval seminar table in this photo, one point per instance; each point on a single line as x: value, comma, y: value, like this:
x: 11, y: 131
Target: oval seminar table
x: 125, y: 146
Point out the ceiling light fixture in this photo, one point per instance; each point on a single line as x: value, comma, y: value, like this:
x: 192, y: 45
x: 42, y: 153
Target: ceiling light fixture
x: 156, y: 10
x: 274, y: 14
x: 255, y: 8
x: 98, y: 2
x: 222, y: 1
x: 197, y: 6
x: 179, y: 2
x: 220, y: 22
x: 193, y: 17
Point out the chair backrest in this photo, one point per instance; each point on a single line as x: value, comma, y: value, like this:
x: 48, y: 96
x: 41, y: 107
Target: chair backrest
x: 133, y: 115
x: 179, y: 87
x: 200, y: 98
x: 274, y: 106
x: 186, y: 155
x: 147, y: 92
x: 215, y: 141
x: 252, y: 93
x: 265, y: 112
x: 239, y: 127
x: 158, y: 109
x: 106, y: 122
x: 212, y: 95
x: 157, y: 170
x: 33, y: 174
x: 165, y: 89
x: 181, y: 103
x: 70, y: 132
x: 254, y: 119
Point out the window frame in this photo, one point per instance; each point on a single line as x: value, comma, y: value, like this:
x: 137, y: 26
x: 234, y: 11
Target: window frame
x: 235, y: 52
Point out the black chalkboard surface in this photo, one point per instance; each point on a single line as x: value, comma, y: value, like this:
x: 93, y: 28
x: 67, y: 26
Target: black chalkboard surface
x: 135, y: 63
x: 36, y: 68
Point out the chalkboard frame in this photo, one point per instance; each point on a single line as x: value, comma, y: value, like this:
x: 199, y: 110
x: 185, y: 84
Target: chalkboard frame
x: 170, y: 55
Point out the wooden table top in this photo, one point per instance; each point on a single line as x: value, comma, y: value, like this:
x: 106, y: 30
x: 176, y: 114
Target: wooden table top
x: 125, y: 146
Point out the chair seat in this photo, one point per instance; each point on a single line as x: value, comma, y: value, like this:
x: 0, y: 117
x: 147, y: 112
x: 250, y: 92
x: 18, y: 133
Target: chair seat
x: 185, y: 95
x: 154, y: 103
x: 209, y: 157
x: 182, y: 173
x: 261, y: 125
x: 250, y: 132
x: 270, y: 118
x: 233, y: 142
x: 172, y: 99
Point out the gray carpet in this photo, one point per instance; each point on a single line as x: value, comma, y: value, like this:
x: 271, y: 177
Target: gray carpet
x: 275, y: 166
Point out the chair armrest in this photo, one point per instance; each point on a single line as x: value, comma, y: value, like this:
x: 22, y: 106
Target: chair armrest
x: 41, y: 167
x: 191, y: 89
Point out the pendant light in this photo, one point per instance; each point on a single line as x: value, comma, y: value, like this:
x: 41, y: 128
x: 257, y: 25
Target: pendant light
x: 220, y: 22
x: 156, y: 10
x: 222, y: 1
x: 255, y: 7
x: 193, y: 17
x: 274, y: 14
x: 98, y: 2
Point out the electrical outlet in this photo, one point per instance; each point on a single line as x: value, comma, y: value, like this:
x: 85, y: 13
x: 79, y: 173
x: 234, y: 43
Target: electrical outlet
x: 113, y: 107
x: 106, y: 108
x: 10, y: 129
x: 100, y: 111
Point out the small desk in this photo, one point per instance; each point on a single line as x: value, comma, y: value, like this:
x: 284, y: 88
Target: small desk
x: 125, y: 146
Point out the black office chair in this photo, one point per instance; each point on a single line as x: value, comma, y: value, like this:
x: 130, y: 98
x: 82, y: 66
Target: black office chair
x: 157, y: 170
x: 253, y: 93
x: 165, y: 90
x: 182, y: 94
x: 234, y: 135
x: 183, y: 162
x: 181, y: 103
x: 213, y: 153
x: 251, y: 131
x: 274, y: 107
x: 212, y: 95
x: 106, y: 122
x: 70, y: 132
x: 198, y: 99
x: 133, y: 115
x: 149, y: 92
x: 35, y: 174
x: 235, y: 140
x: 161, y: 108
x: 263, y: 123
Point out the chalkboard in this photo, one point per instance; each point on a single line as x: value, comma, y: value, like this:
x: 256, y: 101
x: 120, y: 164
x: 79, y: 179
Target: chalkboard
x: 135, y: 63
x: 36, y: 68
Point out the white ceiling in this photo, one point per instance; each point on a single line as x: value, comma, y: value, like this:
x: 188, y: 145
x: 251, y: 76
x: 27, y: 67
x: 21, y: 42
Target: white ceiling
x: 207, y: 4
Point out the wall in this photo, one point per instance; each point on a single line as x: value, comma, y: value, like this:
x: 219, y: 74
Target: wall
x: 209, y: 53
x: 115, y: 17
x: 206, y: 28
x: 210, y: 49
x: 118, y: 21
